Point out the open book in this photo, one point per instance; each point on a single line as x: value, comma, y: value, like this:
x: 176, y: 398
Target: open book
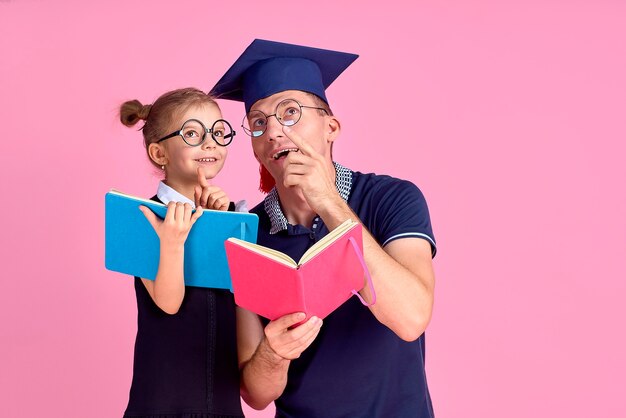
x: 132, y: 247
x: 272, y: 284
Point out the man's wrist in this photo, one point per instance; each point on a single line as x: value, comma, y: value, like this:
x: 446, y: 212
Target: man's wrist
x: 267, y: 354
x: 335, y: 211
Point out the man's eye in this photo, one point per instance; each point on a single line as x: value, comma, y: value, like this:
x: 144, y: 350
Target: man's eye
x: 291, y: 111
x: 258, y: 123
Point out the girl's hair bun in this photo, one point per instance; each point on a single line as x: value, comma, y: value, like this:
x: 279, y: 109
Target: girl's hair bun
x: 133, y: 111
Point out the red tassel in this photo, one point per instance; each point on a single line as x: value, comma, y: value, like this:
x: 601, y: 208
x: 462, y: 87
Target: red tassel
x: 267, y: 182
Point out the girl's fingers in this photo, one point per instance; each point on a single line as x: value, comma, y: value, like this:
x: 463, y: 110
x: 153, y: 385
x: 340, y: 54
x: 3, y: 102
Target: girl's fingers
x: 214, y: 197
x: 196, y: 215
x: 178, y: 212
x: 197, y: 193
x: 150, y: 216
x: 171, y: 212
x: 187, y: 212
x: 201, y: 179
x: 206, y: 194
x: 221, y: 202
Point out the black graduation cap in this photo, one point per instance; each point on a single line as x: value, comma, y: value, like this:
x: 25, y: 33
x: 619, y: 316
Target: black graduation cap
x: 268, y: 67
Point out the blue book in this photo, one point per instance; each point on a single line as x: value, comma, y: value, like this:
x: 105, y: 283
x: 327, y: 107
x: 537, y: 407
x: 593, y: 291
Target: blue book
x: 132, y: 246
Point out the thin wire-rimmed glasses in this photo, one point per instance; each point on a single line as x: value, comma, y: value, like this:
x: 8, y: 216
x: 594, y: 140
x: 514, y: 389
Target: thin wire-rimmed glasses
x: 194, y: 133
x: 287, y: 113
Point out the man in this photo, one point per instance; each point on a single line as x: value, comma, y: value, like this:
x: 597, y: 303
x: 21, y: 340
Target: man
x: 361, y: 362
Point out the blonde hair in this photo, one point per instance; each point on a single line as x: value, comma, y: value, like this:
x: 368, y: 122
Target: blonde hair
x: 159, y: 116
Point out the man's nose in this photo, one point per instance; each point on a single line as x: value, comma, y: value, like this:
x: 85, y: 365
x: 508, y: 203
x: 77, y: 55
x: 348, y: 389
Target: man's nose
x: 274, y: 128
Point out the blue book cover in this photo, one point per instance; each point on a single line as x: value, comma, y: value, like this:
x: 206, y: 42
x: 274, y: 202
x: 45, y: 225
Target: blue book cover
x: 132, y: 246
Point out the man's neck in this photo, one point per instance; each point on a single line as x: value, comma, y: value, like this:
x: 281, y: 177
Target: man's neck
x: 294, y: 205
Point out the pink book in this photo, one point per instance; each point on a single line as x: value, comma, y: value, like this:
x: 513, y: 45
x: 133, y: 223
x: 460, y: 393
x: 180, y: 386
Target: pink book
x: 271, y: 284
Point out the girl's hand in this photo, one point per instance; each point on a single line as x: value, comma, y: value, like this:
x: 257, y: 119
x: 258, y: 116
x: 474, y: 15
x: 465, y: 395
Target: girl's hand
x: 209, y: 197
x: 173, y: 230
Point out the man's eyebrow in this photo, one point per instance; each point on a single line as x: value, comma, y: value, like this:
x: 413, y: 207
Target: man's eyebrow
x: 254, y: 110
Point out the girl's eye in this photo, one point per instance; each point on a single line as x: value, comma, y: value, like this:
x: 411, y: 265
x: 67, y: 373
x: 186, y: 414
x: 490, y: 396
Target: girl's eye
x: 191, y: 134
x: 218, y: 133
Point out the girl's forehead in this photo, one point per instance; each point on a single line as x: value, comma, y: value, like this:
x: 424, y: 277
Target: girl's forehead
x: 206, y: 113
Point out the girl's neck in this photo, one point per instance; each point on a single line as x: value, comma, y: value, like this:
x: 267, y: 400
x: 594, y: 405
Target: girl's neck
x: 183, y: 188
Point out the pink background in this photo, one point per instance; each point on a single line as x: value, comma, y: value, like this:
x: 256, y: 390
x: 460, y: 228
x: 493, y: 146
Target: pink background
x: 510, y: 116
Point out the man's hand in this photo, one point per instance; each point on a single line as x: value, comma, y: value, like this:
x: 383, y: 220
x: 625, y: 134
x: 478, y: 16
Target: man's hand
x: 310, y: 171
x: 284, y: 341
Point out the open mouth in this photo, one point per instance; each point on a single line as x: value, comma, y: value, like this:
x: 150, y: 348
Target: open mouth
x: 284, y: 152
x: 206, y: 160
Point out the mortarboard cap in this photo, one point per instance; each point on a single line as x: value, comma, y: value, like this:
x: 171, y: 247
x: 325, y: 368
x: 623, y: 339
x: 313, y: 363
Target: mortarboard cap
x: 268, y: 67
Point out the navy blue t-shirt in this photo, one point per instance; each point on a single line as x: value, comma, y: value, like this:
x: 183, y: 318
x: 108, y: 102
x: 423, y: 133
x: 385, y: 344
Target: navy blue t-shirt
x: 356, y: 367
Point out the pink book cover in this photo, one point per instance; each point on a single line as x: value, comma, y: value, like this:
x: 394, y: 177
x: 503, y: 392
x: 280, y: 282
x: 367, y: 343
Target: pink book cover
x: 317, y: 287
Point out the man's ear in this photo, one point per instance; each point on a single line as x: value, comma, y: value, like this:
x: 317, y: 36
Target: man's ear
x: 157, y: 154
x: 333, y: 128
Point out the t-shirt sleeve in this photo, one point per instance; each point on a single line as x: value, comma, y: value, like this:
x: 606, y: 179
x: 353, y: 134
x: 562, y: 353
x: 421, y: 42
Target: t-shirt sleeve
x: 402, y: 212
x: 241, y: 206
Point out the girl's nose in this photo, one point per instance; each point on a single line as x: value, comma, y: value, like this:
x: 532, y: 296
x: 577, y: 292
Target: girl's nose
x: 209, y: 142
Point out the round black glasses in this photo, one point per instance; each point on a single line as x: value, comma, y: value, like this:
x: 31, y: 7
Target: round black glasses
x: 194, y: 133
x: 287, y: 113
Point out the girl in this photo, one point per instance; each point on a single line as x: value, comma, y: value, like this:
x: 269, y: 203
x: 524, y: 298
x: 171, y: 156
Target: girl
x: 185, y: 353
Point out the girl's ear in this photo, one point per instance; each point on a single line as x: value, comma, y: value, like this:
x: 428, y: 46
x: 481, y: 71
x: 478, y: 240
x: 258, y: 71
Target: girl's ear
x: 157, y: 154
x: 333, y: 128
